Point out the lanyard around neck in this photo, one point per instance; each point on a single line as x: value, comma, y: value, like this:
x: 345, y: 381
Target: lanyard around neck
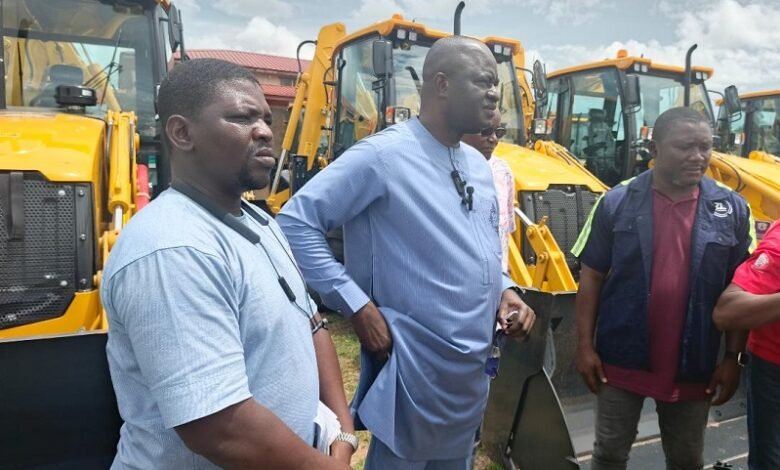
x: 231, y: 221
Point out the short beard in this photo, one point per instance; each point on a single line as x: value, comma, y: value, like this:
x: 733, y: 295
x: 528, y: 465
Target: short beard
x: 247, y: 183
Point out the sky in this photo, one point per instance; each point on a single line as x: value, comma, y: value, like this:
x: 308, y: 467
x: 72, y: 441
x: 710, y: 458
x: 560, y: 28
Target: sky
x: 740, y: 39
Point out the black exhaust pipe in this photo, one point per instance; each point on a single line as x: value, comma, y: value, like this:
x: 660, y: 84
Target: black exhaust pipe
x: 458, y: 11
x: 687, y: 78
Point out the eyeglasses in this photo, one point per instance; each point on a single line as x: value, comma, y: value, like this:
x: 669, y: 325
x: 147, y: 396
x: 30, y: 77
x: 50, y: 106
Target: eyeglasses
x: 489, y: 131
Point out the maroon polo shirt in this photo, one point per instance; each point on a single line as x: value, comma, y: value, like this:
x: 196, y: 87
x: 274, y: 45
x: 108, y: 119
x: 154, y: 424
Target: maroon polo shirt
x: 668, y: 305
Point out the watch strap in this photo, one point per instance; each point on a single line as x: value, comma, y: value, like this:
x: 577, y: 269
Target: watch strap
x: 740, y: 356
x: 349, y: 438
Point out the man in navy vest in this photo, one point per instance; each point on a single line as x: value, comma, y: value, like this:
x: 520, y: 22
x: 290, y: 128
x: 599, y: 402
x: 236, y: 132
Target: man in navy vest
x: 656, y: 253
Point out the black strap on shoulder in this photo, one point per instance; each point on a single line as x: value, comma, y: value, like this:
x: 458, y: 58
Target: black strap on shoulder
x: 220, y: 213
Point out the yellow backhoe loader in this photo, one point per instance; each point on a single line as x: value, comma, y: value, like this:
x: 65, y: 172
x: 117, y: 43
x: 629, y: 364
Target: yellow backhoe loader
x: 79, y: 152
x: 755, y: 133
x: 603, y: 112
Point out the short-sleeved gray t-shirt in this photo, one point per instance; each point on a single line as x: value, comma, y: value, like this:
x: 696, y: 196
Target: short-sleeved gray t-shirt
x: 198, y: 322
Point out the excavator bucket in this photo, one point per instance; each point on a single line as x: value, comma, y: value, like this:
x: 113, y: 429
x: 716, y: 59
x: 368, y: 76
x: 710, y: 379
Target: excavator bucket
x: 57, y: 404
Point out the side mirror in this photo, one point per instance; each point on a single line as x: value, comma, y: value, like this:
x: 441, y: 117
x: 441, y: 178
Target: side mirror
x: 174, y: 28
x: 539, y: 82
x: 731, y: 100
x: 383, y: 58
x: 632, y: 98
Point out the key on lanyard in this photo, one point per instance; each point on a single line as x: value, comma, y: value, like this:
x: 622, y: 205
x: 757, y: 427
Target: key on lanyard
x: 492, y: 363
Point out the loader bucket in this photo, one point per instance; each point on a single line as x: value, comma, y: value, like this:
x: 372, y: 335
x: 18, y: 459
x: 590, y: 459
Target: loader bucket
x: 578, y: 403
x: 524, y: 424
x: 57, y: 405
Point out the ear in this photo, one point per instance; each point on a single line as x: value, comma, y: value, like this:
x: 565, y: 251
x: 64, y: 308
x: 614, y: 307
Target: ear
x: 653, y: 147
x: 179, y: 131
x: 442, y: 84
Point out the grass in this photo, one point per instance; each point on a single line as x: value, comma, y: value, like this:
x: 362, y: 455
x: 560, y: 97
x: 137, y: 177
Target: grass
x: 348, y: 350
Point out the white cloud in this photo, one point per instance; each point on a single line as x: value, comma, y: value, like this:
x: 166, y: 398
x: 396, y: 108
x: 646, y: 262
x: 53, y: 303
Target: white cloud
x: 554, y: 11
x: 376, y: 10
x: 261, y: 35
x: 573, y: 12
x: 728, y: 24
x: 258, y: 35
x: 738, y: 41
x: 265, y: 8
x: 188, y: 5
x: 379, y: 10
x: 446, y: 8
x: 209, y: 41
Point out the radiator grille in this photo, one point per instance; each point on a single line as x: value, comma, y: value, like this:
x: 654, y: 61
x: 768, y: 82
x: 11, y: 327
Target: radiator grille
x: 38, y: 267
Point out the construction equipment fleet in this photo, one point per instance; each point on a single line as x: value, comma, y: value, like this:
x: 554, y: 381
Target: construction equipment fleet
x: 79, y: 152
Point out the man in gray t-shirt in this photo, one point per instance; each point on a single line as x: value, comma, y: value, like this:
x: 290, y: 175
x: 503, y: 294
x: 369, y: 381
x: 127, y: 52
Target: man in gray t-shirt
x: 216, y: 351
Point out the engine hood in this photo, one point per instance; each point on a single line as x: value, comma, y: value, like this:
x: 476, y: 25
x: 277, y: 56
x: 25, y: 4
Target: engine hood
x: 63, y: 147
x: 535, y: 171
x: 764, y: 171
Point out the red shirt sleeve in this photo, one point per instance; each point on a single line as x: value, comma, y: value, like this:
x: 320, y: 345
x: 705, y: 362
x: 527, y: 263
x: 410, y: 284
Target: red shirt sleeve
x: 760, y: 274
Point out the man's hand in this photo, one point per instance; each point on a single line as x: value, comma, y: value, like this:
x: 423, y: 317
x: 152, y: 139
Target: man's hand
x: 371, y: 329
x: 514, y: 316
x: 342, y: 451
x: 589, y: 366
x: 726, y: 380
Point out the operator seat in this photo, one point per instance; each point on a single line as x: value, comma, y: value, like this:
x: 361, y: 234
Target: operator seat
x: 57, y: 74
x: 601, y: 143
x: 600, y: 152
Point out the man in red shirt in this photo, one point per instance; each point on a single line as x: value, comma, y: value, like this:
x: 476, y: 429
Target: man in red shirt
x: 752, y: 302
x: 656, y: 253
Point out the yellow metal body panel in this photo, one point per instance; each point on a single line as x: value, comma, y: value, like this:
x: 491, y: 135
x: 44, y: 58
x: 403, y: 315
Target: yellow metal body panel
x: 62, y: 147
x: 757, y: 181
x: 625, y: 63
x: 70, y: 148
x: 759, y: 94
x: 83, y: 314
x: 548, y: 163
x: 754, y: 95
x: 550, y: 274
x: 761, y: 156
x: 384, y: 28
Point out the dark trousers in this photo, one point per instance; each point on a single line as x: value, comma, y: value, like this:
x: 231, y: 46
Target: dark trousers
x: 617, y: 417
x: 763, y: 389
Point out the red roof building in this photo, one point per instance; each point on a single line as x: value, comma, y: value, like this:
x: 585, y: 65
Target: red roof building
x: 276, y: 74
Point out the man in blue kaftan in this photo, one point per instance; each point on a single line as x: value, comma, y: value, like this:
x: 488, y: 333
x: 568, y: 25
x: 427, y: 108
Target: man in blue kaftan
x: 422, y: 282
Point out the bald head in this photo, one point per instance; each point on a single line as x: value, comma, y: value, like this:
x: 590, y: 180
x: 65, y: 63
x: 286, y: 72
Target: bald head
x: 448, y: 55
x: 459, y: 94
